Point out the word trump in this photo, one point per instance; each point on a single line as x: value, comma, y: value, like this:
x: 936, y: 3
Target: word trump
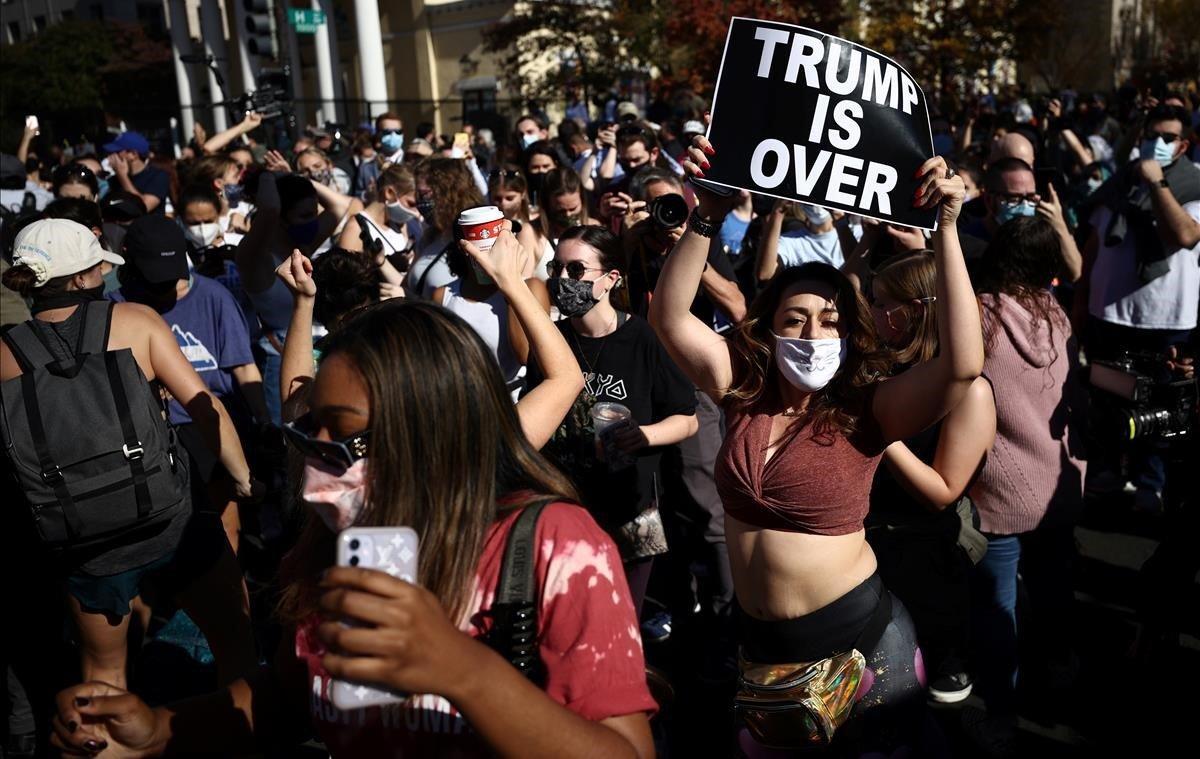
x: 806, y: 116
x: 845, y: 73
x: 877, y: 77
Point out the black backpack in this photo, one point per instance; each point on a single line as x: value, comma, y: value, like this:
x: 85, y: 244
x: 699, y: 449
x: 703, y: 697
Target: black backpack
x: 87, y: 439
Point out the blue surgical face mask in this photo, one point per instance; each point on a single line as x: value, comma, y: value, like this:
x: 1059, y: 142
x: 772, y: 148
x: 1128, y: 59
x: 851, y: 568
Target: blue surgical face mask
x: 1158, y: 149
x: 528, y: 139
x: 234, y: 193
x: 1006, y: 211
x: 391, y: 142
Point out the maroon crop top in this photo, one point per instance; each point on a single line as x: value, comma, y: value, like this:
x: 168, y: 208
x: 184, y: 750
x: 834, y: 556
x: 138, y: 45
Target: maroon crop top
x: 818, y: 485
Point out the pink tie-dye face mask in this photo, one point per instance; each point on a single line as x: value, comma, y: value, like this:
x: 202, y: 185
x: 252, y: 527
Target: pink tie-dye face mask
x: 337, y: 495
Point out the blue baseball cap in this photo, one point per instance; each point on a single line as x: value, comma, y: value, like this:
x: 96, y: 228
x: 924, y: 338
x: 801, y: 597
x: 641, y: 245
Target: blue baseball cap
x: 129, y: 141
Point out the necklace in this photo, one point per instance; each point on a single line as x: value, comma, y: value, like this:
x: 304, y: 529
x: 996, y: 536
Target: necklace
x: 603, y: 341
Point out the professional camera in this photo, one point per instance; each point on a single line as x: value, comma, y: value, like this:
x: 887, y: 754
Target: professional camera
x: 272, y: 95
x: 668, y: 211
x: 1140, y: 401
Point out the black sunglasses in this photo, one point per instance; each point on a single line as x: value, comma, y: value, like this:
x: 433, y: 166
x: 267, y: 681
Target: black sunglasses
x: 1167, y: 137
x: 382, y: 132
x: 340, y: 453
x: 575, y: 269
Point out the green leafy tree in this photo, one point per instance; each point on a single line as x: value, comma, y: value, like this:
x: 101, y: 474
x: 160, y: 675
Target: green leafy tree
x: 544, y: 46
x: 72, y: 73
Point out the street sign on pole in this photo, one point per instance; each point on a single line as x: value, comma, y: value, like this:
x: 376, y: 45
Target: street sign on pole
x: 306, y: 20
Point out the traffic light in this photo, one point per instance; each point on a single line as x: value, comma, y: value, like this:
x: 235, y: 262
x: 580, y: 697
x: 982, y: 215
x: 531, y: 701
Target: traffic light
x: 260, y: 36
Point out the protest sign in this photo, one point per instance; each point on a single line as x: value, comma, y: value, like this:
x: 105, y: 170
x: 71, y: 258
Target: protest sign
x: 802, y: 115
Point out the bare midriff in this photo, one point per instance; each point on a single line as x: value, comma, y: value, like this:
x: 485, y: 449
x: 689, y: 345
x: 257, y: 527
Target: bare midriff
x: 783, y: 575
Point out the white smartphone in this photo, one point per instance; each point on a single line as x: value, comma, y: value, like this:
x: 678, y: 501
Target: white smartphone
x: 388, y: 549
x: 31, y: 122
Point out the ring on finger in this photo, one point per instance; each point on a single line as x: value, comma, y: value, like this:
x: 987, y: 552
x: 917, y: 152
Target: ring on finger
x: 950, y: 172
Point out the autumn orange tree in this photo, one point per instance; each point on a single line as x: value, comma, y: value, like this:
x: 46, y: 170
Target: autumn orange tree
x: 685, y: 39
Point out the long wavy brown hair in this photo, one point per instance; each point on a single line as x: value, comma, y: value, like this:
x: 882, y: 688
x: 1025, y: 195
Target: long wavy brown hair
x: 908, y: 278
x: 837, y: 407
x: 453, y: 190
x: 446, y: 446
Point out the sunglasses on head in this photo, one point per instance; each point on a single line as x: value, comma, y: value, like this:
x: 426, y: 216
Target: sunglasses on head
x: 341, y: 453
x: 575, y: 269
x: 508, y: 175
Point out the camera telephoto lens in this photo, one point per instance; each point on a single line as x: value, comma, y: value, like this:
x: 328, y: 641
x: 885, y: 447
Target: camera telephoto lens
x: 668, y: 211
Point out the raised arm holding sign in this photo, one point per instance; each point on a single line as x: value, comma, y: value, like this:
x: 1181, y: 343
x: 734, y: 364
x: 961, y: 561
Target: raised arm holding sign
x: 803, y: 115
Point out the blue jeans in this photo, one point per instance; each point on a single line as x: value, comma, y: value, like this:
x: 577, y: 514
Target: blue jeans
x: 1043, y: 559
x: 272, y: 365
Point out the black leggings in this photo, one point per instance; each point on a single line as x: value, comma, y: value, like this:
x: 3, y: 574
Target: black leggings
x: 890, y: 712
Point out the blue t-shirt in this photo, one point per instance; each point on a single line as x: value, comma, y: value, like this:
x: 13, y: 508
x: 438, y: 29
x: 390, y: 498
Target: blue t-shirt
x: 733, y: 230
x: 212, y: 333
x: 153, y: 181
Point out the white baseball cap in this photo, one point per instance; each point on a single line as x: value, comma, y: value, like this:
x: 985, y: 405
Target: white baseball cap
x: 59, y: 248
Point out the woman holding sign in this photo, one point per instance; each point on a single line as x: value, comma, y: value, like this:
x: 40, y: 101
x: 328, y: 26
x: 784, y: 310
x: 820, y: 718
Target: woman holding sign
x: 809, y: 416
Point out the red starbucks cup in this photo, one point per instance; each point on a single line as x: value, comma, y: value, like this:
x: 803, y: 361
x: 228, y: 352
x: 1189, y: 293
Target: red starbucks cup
x: 481, y: 225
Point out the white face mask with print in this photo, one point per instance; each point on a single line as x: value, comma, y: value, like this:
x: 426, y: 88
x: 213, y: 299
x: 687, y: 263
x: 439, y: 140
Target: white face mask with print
x: 809, y: 365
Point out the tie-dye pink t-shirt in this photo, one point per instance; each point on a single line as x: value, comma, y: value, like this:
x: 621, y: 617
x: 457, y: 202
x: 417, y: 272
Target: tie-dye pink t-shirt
x: 587, y: 633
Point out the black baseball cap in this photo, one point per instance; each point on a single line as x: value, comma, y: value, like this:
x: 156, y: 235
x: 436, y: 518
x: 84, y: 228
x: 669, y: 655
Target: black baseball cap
x: 156, y: 248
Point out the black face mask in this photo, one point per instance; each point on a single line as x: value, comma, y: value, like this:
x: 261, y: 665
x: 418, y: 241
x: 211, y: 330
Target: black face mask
x: 572, y: 296
x: 425, y: 208
x: 65, y: 299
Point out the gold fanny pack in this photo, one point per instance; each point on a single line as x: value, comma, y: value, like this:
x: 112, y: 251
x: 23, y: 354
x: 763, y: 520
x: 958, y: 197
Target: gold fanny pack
x: 802, y: 704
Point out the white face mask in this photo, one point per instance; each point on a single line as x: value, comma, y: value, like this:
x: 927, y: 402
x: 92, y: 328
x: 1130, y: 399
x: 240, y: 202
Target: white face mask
x: 337, y: 495
x: 202, y: 235
x: 809, y: 365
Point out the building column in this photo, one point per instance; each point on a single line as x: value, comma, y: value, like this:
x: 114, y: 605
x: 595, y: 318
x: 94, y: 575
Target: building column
x: 214, y: 44
x: 181, y: 44
x: 325, y: 45
x: 370, y: 56
x: 247, y: 65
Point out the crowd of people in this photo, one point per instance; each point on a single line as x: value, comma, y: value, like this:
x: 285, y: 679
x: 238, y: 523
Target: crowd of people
x: 782, y: 465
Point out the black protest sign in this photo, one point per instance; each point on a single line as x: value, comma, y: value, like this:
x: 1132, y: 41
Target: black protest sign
x: 803, y: 115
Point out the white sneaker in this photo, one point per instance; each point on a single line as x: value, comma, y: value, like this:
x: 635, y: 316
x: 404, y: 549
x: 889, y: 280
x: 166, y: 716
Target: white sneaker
x: 951, y: 689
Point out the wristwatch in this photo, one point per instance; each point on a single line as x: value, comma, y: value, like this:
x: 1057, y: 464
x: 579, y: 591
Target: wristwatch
x: 702, y: 226
x: 1164, y: 183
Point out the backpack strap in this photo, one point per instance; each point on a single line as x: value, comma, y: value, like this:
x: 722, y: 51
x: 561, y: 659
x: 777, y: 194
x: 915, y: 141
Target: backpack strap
x: 97, y: 323
x: 51, y: 474
x: 515, y: 609
x: 27, y: 348
x: 132, y: 449
x: 421, y: 280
